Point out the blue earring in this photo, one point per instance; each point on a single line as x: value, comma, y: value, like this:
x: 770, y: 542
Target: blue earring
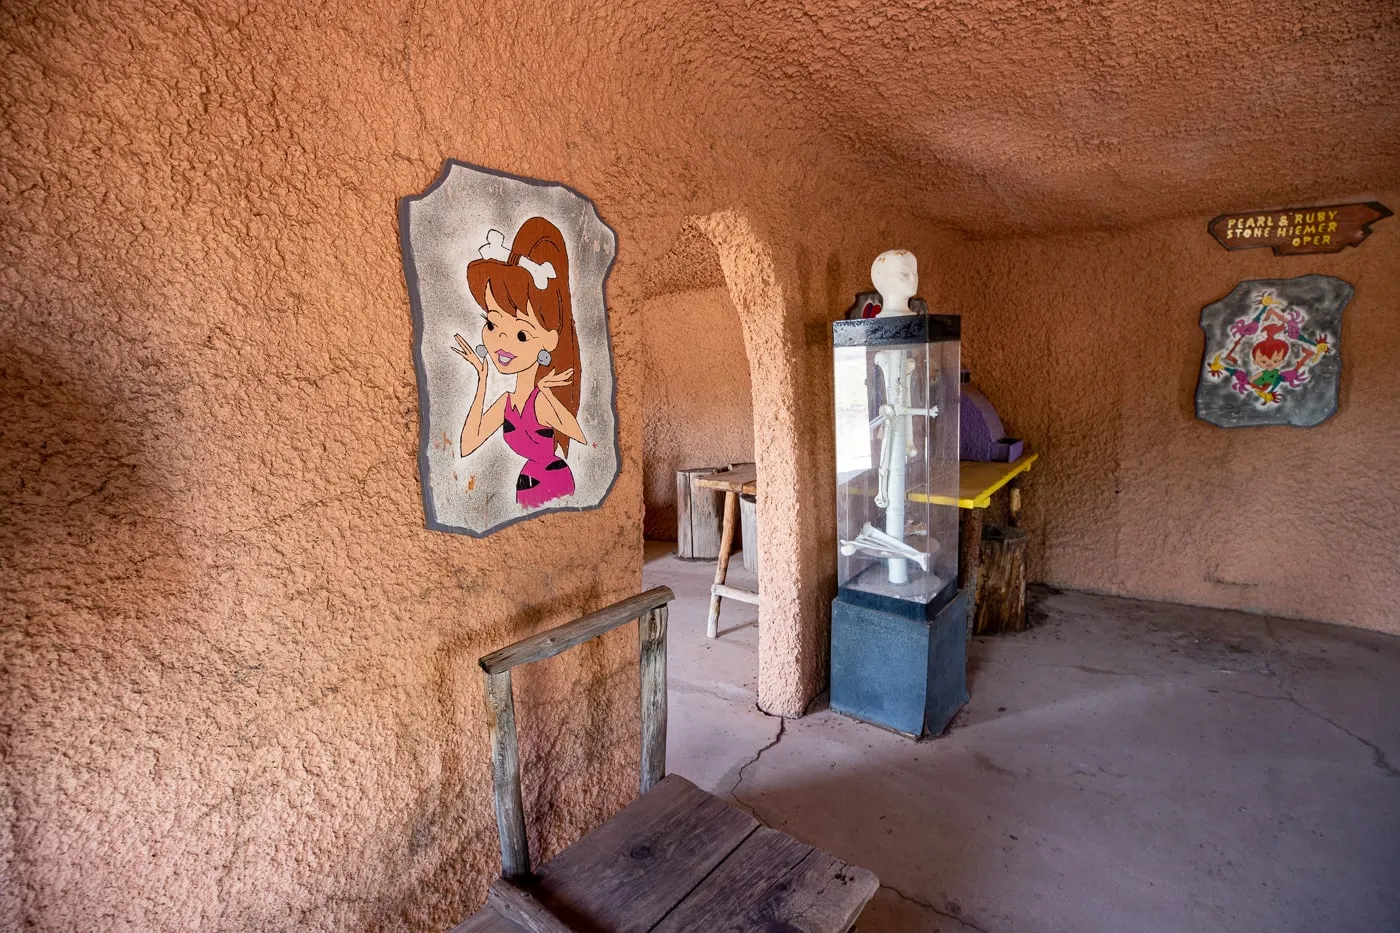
x: 544, y: 358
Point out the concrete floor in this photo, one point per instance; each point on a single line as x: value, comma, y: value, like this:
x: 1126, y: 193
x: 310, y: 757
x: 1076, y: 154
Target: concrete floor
x: 1123, y: 766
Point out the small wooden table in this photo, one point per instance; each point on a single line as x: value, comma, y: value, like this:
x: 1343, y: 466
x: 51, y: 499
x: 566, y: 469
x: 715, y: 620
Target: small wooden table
x: 977, y: 483
x: 739, y: 479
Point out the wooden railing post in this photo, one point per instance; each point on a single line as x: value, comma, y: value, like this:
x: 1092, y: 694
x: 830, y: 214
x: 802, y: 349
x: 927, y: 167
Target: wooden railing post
x: 651, y: 631
x: 649, y: 609
x: 505, y: 777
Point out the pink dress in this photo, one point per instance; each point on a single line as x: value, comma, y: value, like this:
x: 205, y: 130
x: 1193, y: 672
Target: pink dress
x: 545, y: 476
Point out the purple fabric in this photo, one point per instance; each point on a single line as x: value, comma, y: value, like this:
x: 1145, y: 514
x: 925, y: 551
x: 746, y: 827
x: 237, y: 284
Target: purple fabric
x: 979, y: 428
x: 1008, y: 449
x: 545, y: 476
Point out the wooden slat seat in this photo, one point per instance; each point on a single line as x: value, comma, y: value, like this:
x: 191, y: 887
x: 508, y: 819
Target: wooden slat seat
x: 677, y: 858
x: 627, y: 874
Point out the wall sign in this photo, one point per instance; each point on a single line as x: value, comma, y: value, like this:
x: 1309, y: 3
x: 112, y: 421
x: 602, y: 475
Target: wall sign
x: 1273, y: 353
x: 517, y: 399
x: 1298, y: 230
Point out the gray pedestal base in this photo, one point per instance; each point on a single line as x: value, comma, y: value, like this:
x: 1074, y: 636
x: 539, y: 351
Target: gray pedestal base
x: 905, y: 674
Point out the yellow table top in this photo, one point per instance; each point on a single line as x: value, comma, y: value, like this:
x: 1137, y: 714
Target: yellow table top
x: 977, y: 481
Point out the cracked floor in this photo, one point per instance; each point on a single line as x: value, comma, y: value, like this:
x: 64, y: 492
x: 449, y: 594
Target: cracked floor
x: 1124, y: 765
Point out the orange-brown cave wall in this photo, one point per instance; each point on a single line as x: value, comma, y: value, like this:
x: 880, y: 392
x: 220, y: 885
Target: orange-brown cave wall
x: 239, y: 687
x: 697, y: 400
x: 1089, y: 345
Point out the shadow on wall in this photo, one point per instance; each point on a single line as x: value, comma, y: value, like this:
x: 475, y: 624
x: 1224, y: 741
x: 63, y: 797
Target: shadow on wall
x: 86, y: 528
x: 192, y: 716
x: 87, y: 553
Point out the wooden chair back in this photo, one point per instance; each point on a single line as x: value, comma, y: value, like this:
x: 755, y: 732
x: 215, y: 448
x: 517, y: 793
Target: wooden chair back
x: 650, y: 611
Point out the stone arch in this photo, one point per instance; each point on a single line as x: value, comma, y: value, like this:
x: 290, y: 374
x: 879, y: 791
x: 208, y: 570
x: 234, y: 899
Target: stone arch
x: 792, y: 644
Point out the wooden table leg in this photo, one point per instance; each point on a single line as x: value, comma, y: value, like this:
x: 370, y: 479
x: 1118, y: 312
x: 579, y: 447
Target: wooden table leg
x: 726, y: 541
x: 1014, y: 508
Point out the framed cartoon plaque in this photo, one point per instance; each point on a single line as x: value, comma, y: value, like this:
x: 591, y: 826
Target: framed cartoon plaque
x: 1273, y: 353
x: 517, y: 399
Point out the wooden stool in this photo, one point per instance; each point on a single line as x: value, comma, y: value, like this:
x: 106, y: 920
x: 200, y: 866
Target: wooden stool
x: 675, y: 859
x: 739, y: 478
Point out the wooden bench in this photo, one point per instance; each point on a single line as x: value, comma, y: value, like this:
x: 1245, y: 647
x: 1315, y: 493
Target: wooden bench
x: 677, y: 858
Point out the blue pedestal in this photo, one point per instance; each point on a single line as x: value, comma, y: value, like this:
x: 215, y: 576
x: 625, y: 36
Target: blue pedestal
x: 909, y: 675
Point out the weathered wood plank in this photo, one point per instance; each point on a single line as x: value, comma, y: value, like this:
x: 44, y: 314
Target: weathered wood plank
x: 652, y: 632
x: 486, y: 920
x: 683, y: 541
x: 628, y: 873
x: 563, y: 637
x: 505, y: 776
x: 740, y: 477
x: 704, y: 518
x: 774, y: 882
x: 521, y: 907
x: 748, y: 532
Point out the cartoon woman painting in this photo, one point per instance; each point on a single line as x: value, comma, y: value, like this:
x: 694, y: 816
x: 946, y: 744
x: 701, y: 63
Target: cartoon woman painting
x: 528, y: 333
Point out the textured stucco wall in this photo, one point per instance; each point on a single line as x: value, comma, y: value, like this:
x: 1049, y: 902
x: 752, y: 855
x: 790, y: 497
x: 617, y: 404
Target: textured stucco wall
x: 239, y: 687
x: 698, y: 403
x: 1090, y: 348
x: 1014, y: 117
x: 238, y: 681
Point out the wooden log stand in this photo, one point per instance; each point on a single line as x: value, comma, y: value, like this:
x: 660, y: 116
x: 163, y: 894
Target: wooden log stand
x: 978, y: 482
x: 1001, y: 584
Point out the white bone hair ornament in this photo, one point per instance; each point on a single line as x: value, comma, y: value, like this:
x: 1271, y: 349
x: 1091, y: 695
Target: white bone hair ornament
x: 495, y: 248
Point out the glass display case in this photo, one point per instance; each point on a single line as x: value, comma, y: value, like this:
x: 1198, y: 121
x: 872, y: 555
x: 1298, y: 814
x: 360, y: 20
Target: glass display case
x: 897, y: 390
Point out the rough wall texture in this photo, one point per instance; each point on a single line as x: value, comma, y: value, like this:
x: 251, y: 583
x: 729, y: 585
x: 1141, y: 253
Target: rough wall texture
x: 239, y: 689
x: 1007, y: 117
x: 698, y: 402
x: 1090, y: 348
x: 238, y: 682
x: 239, y: 686
x: 787, y: 494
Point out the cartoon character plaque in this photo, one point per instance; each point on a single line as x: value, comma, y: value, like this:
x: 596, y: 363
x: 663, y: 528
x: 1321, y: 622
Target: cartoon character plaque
x: 1272, y: 353
x: 515, y: 376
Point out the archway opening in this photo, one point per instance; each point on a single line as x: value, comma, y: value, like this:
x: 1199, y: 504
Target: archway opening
x: 792, y: 650
x: 698, y: 404
x: 698, y: 416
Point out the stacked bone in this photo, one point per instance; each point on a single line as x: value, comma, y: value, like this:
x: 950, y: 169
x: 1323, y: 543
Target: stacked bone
x: 876, y: 543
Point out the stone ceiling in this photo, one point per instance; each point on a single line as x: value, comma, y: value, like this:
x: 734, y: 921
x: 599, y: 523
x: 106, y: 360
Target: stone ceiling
x: 1010, y: 117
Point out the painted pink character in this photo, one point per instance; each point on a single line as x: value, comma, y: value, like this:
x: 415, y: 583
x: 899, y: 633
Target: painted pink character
x: 529, y: 333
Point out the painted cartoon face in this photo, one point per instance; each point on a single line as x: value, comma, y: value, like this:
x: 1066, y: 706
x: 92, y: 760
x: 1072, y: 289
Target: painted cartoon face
x: 1266, y: 360
x: 514, y: 341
